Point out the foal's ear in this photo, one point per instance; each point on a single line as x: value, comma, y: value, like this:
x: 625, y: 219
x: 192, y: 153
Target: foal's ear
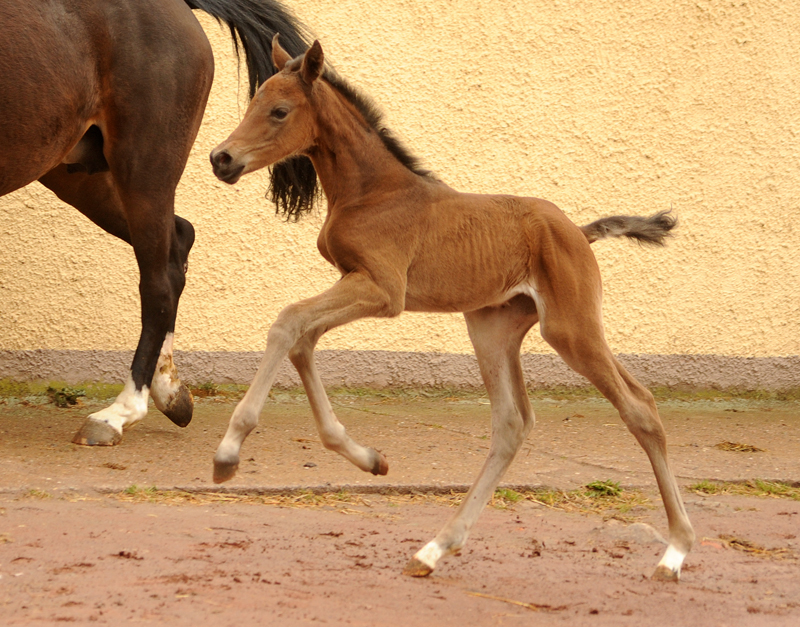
x: 279, y: 55
x: 313, y: 61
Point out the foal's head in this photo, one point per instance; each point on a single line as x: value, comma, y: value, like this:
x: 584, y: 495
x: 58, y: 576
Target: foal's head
x: 278, y: 123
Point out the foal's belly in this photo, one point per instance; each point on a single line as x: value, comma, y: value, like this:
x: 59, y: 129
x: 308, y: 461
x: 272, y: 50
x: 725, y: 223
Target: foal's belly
x: 454, y: 294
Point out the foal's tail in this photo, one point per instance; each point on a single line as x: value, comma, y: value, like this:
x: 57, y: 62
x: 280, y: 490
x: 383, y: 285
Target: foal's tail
x: 653, y: 230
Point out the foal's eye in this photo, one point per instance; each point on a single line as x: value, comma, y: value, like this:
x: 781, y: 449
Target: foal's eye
x: 279, y: 113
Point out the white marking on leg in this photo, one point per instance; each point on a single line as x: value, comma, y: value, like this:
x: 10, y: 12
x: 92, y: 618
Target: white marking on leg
x: 128, y: 408
x: 166, y: 384
x: 430, y: 554
x: 673, y: 559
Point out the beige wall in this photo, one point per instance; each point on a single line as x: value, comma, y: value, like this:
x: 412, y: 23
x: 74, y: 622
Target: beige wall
x: 603, y: 108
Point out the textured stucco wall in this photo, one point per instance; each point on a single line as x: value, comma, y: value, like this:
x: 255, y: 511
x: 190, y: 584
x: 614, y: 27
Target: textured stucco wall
x: 603, y: 108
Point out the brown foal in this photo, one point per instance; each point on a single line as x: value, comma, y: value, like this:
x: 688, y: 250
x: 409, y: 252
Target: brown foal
x: 404, y: 241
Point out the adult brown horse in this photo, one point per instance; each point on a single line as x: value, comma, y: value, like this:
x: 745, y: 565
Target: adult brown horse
x: 101, y: 100
x: 405, y: 241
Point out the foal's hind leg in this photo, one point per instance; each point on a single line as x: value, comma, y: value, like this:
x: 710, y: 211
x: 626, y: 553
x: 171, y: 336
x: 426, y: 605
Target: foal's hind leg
x: 95, y: 197
x: 576, y: 333
x: 496, y: 334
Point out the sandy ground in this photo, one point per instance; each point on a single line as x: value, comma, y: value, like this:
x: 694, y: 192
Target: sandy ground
x: 72, y: 549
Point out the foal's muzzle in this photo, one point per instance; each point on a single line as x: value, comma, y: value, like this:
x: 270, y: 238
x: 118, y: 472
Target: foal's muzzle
x: 225, y: 168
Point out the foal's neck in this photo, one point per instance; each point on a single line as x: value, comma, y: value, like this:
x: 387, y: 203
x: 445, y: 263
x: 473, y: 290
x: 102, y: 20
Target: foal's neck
x: 351, y: 159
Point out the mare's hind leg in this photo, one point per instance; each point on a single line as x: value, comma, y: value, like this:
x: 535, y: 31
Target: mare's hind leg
x: 575, y: 331
x: 496, y: 334
x: 95, y: 197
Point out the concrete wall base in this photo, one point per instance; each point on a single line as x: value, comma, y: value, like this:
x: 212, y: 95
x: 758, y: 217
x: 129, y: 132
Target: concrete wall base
x: 399, y: 369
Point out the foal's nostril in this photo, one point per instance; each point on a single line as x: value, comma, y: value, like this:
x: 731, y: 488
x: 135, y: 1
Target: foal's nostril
x: 221, y: 159
x: 225, y: 167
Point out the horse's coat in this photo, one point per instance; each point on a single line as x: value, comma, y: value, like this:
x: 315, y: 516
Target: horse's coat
x: 403, y: 240
x: 101, y: 100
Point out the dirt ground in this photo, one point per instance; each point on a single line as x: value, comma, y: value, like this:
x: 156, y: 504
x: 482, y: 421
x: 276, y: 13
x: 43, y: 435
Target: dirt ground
x: 76, y: 547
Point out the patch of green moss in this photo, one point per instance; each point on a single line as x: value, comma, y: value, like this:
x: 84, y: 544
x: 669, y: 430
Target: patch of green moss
x: 669, y: 394
x: 603, y: 488
x: 96, y: 391
x: 65, y: 396
x: 752, y: 487
x: 14, y: 389
x: 35, y: 493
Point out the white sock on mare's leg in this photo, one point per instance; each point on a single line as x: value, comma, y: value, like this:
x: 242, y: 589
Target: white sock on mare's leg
x: 128, y: 408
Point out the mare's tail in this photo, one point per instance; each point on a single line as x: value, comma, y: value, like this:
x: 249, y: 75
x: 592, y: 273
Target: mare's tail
x: 253, y: 23
x: 653, y: 230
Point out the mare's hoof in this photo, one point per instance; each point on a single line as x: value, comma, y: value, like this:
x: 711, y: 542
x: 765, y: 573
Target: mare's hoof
x: 416, y: 568
x: 381, y: 466
x: 97, y: 433
x: 223, y: 471
x: 664, y: 573
x: 181, y: 407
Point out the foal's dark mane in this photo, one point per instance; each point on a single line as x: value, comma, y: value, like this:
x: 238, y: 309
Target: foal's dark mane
x: 306, y: 191
x: 374, y: 118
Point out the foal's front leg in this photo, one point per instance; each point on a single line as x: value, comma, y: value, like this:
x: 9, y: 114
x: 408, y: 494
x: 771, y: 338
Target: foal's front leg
x: 354, y: 296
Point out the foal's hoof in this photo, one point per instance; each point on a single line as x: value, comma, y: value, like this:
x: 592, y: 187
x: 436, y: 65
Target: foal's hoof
x: 380, y: 466
x: 223, y: 471
x: 664, y: 573
x: 180, y: 408
x: 416, y: 568
x: 97, y: 433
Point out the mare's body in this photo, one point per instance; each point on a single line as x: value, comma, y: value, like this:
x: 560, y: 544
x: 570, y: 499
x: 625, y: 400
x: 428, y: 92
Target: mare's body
x: 403, y: 240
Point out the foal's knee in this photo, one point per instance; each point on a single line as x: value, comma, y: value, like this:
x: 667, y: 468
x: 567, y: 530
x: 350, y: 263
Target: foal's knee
x: 528, y: 422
